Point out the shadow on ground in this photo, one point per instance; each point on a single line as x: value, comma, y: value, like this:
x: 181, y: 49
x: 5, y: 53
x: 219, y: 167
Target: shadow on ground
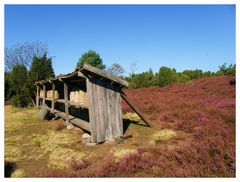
x: 9, y: 167
x: 128, y: 122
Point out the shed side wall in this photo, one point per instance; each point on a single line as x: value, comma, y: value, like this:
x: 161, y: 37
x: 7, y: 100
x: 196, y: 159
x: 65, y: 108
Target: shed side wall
x: 105, y: 110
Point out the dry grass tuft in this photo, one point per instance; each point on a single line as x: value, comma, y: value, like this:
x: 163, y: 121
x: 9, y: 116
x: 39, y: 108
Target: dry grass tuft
x: 163, y: 135
x: 119, y: 153
x: 12, y: 153
x: 61, y: 157
x: 131, y: 116
x: 19, y: 173
x: 58, y: 125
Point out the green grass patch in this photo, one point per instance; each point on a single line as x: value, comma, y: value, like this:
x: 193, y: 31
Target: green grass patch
x: 131, y: 116
x: 163, y: 135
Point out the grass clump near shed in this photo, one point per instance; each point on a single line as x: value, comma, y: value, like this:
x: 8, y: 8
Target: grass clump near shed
x: 163, y: 135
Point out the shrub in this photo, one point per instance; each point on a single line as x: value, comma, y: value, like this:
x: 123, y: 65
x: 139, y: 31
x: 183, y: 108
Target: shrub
x: 194, y: 74
x: 144, y: 79
x: 183, y: 78
x: 19, y: 101
x: 227, y: 70
x: 167, y: 76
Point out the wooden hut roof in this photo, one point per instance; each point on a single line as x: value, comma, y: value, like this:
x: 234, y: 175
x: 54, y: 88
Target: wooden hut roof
x: 82, y: 71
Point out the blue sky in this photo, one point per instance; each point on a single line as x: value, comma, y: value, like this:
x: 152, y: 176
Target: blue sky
x: 179, y: 36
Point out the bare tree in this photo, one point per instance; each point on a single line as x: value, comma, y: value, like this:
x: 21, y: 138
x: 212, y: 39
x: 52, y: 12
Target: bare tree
x: 22, y: 54
x: 115, y: 69
x: 133, y: 68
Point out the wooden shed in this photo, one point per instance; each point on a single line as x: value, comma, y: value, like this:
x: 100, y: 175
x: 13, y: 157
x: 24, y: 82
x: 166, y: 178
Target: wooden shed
x: 99, y: 112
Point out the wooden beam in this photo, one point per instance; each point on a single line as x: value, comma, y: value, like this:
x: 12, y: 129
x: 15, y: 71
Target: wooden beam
x: 124, y: 96
x: 81, y: 75
x: 73, y: 74
x: 79, y: 122
x: 66, y: 102
x: 44, y: 95
x: 53, y: 99
x: 76, y: 81
x: 104, y: 74
x: 37, y: 97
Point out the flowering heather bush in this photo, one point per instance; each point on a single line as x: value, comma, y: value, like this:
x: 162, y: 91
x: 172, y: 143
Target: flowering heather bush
x: 128, y: 165
x: 75, y: 165
x: 206, y: 110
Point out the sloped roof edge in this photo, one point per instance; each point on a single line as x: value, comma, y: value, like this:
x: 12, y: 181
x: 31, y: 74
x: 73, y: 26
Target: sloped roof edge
x: 90, y: 69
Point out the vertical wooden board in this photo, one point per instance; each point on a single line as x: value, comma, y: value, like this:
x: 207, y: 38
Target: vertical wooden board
x: 53, y: 99
x: 97, y: 110
x: 116, y: 116
x: 44, y: 95
x: 106, y: 121
x: 99, y: 116
x: 109, y: 135
x: 66, y: 102
x: 101, y: 111
x: 119, y: 116
x: 112, y: 114
x: 97, y: 105
x: 37, y: 97
x: 106, y: 118
x: 91, y: 110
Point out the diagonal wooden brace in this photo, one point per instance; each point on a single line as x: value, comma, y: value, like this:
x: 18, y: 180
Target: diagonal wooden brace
x: 124, y: 96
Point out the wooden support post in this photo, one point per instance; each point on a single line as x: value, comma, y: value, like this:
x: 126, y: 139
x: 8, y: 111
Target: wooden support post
x: 123, y: 95
x: 37, y: 97
x: 44, y: 95
x: 66, y: 102
x: 53, y: 97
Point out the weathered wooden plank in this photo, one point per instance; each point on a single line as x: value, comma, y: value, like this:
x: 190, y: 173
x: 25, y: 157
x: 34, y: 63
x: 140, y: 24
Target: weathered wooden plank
x: 73, y: 74
x: 91, y: 110
x: 81, y: 75
x: 66, y: 101
x: 103, y: 103
x: 98, y: 111
x: 109, y: 135
x: 104, y: 74
x: 79, y: 122
x: 69, y: 103
x: 53, y: 99
x: 37, y: 97
x: 114, y: 111
x: 112, y: 114
x: 119, y: 115
x: 123, y: 95
x: 44, y: 95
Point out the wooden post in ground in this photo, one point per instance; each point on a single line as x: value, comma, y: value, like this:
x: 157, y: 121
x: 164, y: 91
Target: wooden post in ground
x: 44, y: 95
x: 66, y: 102
x: 53, y: 99
x: 37, y: 97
